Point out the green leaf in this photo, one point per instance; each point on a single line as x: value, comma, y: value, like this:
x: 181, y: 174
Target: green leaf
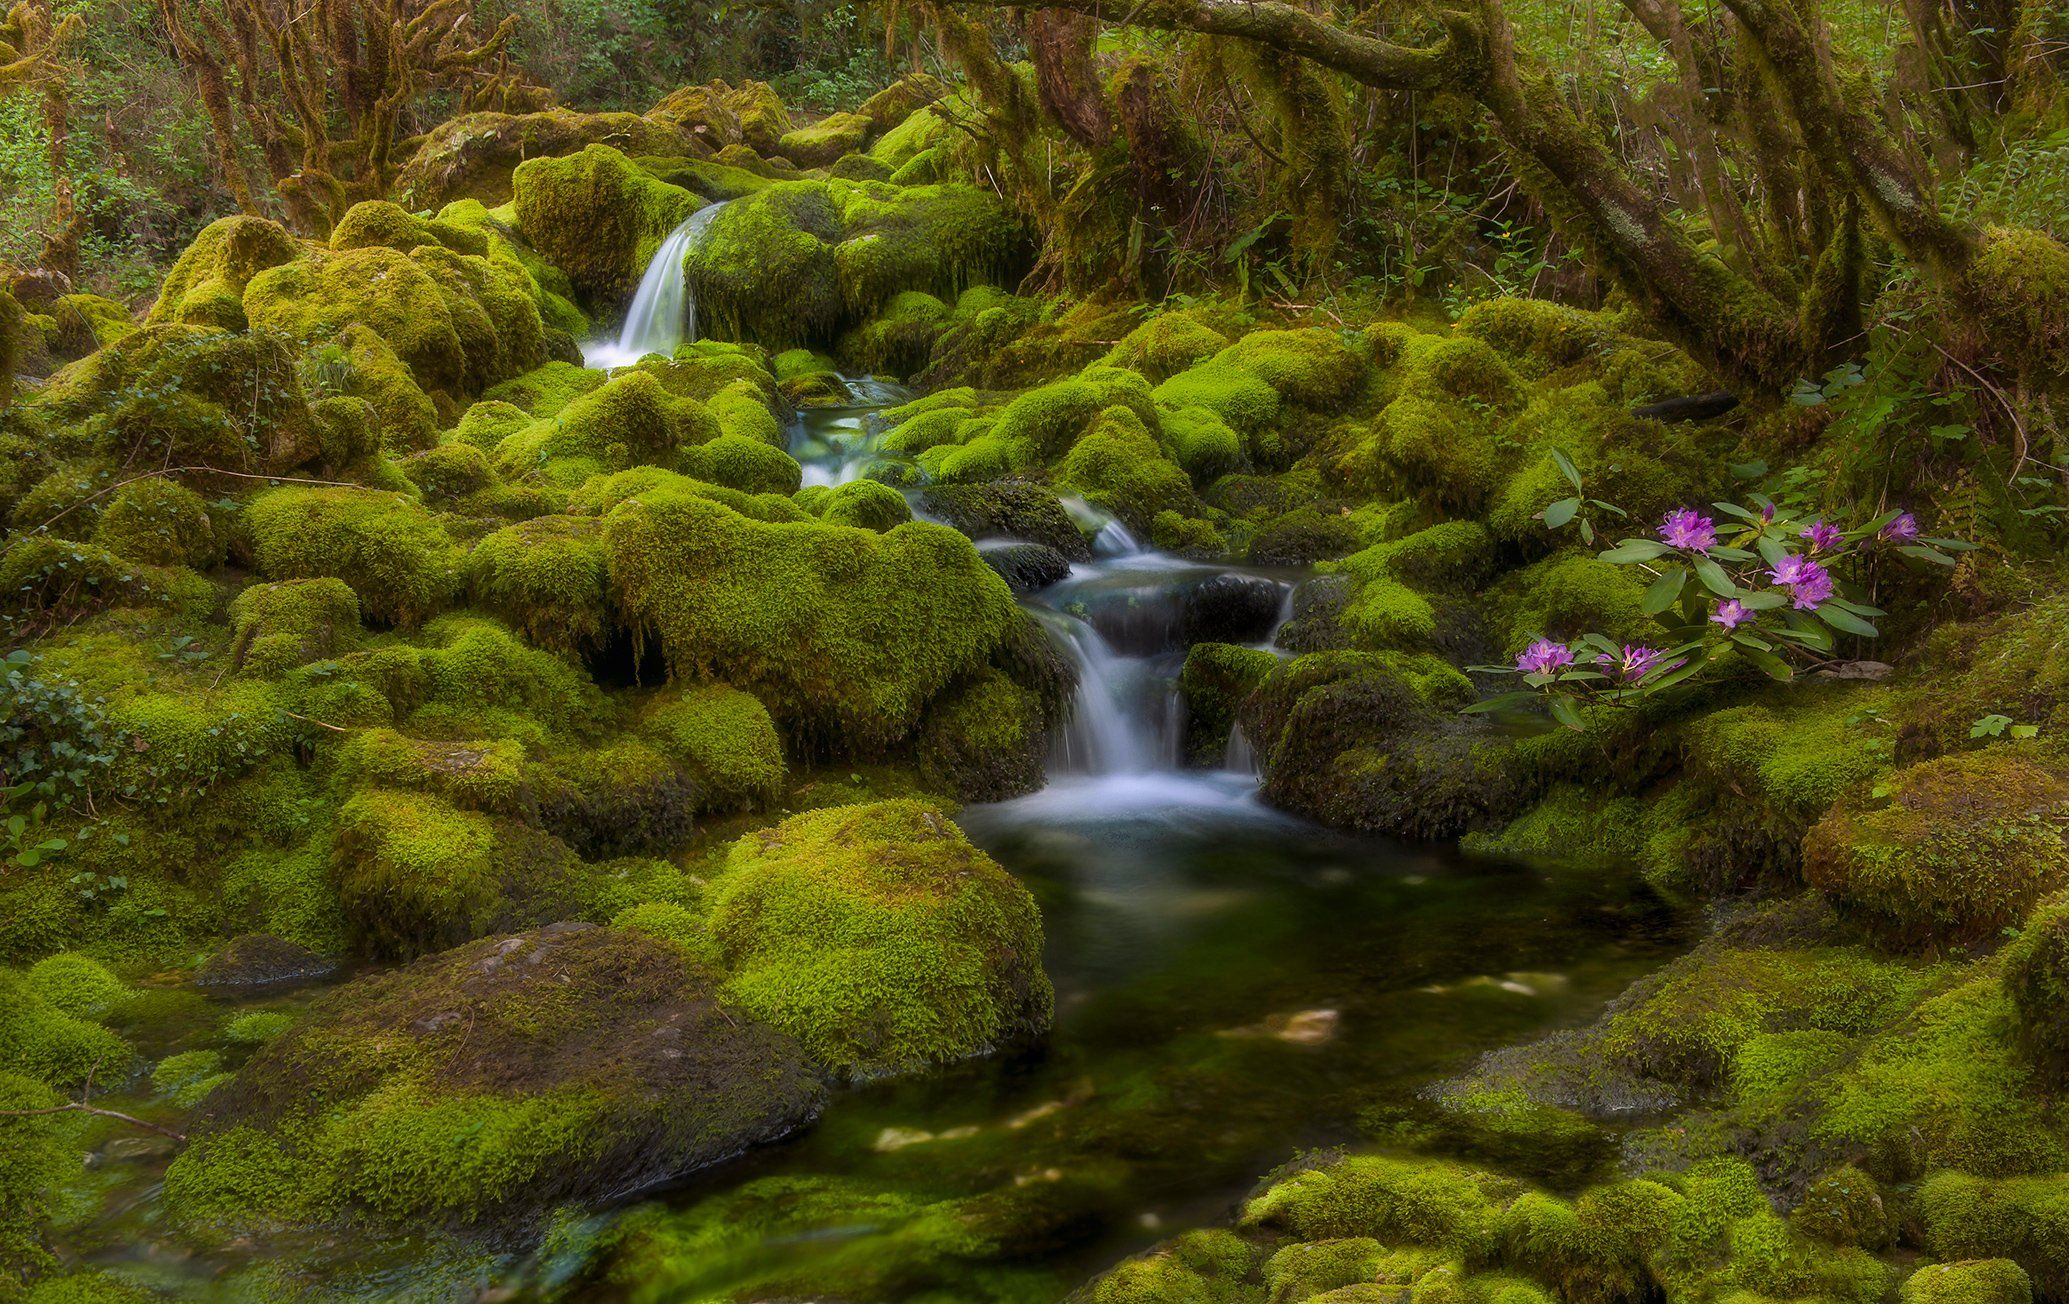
x: 2025, y: 730
x: 1769, y: 664
x: 1567, y: 468
x: 1561, y: 512
x: 1664, y: 591
x: 1714, y: 579
x: 1990, y: 726
x: 1845, y: 621
x: 1635, y: 550
x: 1564, y: 711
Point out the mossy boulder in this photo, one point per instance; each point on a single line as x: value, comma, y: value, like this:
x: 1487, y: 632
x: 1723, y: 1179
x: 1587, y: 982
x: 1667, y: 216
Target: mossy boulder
x: 724, y: 739
x: 844, y: 633
x: 2022, y: 1219
x: 291, y: 623
x: 474, y: 155
x: 880, y: 938
x: 597, y: 217
x: 1373, y: 742
x: 489, y: 1084
x: 2036, y: 974
x: 1970, y: 1281
x: 1951, y: 852
x: 822, y: 142
x: 396, y: 558
x: 1215, y: 682
x: 206, y: 286
x: 984, y: 740
x: 159, y: 523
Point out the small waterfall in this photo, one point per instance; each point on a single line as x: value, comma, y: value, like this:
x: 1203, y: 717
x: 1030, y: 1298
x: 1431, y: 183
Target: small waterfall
x: 1107, y: 732
x: 664, y: 309
x: 1241, y: 758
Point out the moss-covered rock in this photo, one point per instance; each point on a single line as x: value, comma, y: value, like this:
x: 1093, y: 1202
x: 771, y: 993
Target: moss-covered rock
x: 880, y: 938
x: 395, y: 557
x: 2023, y: 1219
x: 489, y: 1084
x: 724, y: 739
x: 206, y: 286
x: 1216, y: 680
x: 984, y: 740
x: 597, y: 217
x: 1971, y: 1281
x: 291, y: 623
x: 159, y: 523
x: 1950, y: 852
x: 843, y: 633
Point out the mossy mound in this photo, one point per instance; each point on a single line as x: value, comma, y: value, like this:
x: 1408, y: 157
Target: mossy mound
x: 474, y: 156
x: 724, y: 739
x: 1948, y: 853
x: 880, y: 938
x: 802, y: 262
x: 846, y: 634
x: 489, y: 1084
x: 395, y: 556
x: 1215, y: 682
x: 206, y: 286
x: 1372, y: 741
x: 597, y: 217
x: 985, y: 740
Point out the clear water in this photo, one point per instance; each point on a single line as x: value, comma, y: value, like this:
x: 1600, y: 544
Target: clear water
x: 1233, y: 986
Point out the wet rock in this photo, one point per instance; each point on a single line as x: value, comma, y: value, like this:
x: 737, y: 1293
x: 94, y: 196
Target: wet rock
x: 493, y: 1081
x: 1009, y: 509
x: 261, y: 960
x: 1232, y: 609
x: 1026, y: 567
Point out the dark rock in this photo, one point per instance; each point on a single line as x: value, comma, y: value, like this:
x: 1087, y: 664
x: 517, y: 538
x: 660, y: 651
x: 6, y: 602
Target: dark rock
x: 1689, y: 407
x: 1317, y: 622
x: 611, y: 1041
x: 1009, y: 509
x: 1233, y: 609
x: 261, y: 960
x: 1025, y: 567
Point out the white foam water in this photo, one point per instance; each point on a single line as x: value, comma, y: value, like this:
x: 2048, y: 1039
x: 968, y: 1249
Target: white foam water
x: 663, y: 314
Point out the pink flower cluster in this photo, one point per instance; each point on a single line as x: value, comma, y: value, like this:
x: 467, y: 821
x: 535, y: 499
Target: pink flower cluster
x: 1809, y: 584
x: 1688, y: 529
x: 1544, y: 657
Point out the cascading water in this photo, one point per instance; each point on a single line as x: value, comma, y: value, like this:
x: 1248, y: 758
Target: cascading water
x: 664, y: 308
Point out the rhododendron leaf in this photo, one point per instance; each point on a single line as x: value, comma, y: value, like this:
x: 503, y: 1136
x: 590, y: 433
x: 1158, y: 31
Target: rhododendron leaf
x: 1845, y: 621
x: 1663, y: 591
x: 1635, y: 550
x: 1929, y: 554
x: 1772, y: 550
x: 1564, y: 711
x: 1714, y: 579
x: 1766, y: 601
x: 1770, y: 665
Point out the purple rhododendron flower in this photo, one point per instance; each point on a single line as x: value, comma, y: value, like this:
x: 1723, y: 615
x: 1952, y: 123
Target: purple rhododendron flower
x: 1544, y: 657
x: 1732, y: 613
x: 1689, y: 529
x: 1767, y: 513
x: 1902, y: 528
x: 1639, y: 662
x: 1807, y: 582
x: 1823, y: 537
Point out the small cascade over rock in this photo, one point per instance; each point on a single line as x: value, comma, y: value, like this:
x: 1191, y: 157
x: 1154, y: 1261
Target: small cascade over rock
x: 664, y: 308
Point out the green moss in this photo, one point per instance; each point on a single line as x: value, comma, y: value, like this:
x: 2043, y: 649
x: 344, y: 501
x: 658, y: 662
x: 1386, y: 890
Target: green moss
x: 829, y: 626
x: 184, y: 1079
x: 1241, y: 398
x: 76, y: 985
x: 825, y: 140
x: 1203, y: 444
x: 378, y: 222
x: 1845, y: 1208
x: 256, y: 1027
x: 1947, y: 853
x: 544, y: 391
x: 291, y: 623
x: 1414, y: 1201
x: 1310, y: 368
x: 1565, y: 596
x: 984, y: 740
x: 586, y: 1059
x: 765, y: 267
x: 206, y: 286
x: 359, y: 363
x: 1571, y: 825
x: 1214, y: 682
x: 880, y: 938
x: 597, y: 217
x: 633, y: 420
x: 1539, y: 336
x: 395, y: 556
x: 863, y: 504
x: 1972, y: 1281
x: 2023, y: 1219
x: 724, y: 739
x: 1946, y: 1087
x: 1118, y: 464
x: 749, y: 465
x: 1167, y: 343
x: 2036, y: 974
x: 1687, y: 1023
x: 459, y: 323
x: 899, y: 338
x: 39, y: 1040
x: 158, y: 523
x: 414, y: 873
x: 548, y: 579
x: 39, y: 1154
